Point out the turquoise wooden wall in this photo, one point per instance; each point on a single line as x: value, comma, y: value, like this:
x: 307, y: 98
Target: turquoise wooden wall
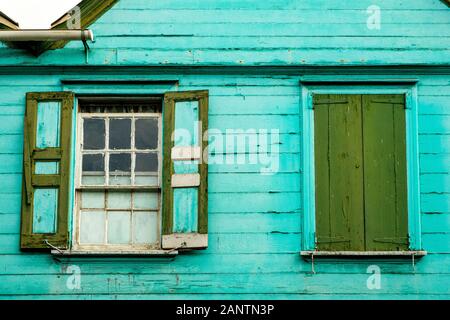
x: 255, y: 220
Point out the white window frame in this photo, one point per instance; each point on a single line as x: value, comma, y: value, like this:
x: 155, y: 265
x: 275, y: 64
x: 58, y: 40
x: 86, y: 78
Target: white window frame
x: 114, y: 248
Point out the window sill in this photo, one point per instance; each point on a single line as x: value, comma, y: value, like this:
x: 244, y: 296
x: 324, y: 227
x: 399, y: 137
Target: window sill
x: 148, y: 253
x: 367, y: 254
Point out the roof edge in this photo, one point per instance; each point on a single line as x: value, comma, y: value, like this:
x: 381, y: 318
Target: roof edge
x: 89, y: 11
x: 7, y: 23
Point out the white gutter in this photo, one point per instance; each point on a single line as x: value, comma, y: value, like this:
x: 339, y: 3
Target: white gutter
x: 46, y: 35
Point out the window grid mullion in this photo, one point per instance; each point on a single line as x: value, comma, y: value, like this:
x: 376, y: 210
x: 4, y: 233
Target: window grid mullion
x: 107, y: 150
x: 131, y: 188
x: 133, y: 151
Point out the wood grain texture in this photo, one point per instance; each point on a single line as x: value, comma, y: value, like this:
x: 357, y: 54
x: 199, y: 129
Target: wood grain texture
x: 284, y: 32
x: 340, y: 161
x: 254, y: 221
x: 173, y: 120
x: 361, y: 189
x: 59, y: 150
x: 385, y: 188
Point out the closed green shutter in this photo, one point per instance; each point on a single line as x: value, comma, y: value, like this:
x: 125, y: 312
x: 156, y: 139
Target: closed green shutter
x: 185, y: 176
x: 386, y: 219
x: 47, y: 140
x: 339, y: 173
x: 360, y: 175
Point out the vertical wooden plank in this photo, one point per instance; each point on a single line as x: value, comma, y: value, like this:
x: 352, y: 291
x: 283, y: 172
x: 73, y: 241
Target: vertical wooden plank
x: 384, y: 138
x: 182, y: 111
x: 45, y: 209
x: 401, y: 181
x: 27, y: 163
x: 185, y: 200
x: 48, y: 124
x: 47, y: 133
x: 346, y: 174
x: 67, y: 99
x: 168, y: 127
x: 185, y: 207
x: 322, y: 172
x: 186, y: 119
x: 341, y: 156
x: 203, y: 189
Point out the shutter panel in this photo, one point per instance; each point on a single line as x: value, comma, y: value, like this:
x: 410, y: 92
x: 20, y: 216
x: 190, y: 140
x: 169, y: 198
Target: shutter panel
x: 185, y: 177
x: 386, y: 212
x: 338, y: 173
x: 47, y: 141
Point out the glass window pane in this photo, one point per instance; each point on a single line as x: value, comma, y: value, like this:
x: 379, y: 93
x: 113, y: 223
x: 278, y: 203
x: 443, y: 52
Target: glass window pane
x: 120, y: 162
x: 119, y: 180
x: 93, y: 180
x: 119, y: 134
x: 146, y: 133
x: 145, y: 228
x: 92, y: 227
x: 93, y: 163
x: 119, y: 227
x: 119, y: 200
x: 150, y: 179
x: 92, y: 200
x: 93, y: 134
x: 145, y: 200
x: 147, y: 162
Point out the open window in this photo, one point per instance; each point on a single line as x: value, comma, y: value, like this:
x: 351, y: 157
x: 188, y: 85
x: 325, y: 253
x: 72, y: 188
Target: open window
x: 137, y: 190
x: 118, y: 182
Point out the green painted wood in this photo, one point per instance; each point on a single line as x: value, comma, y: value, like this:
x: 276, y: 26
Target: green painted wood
x: 212, y: 33
x: 45, y: 215
x: 185, y: 200
x: 227, y: 283
x: 251, y: 224
x: 185, y: 210
x: 339, y: 192
x: 220, y: 263
x: 45, y: 210
x: 48, y: 124
x: 194, y: 107
x: 385, y: 194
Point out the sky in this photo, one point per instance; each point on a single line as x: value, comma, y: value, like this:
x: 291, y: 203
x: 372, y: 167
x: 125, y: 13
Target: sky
x: 36, y: 14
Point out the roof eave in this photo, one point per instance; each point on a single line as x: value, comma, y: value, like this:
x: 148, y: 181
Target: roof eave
x: 89, y: 11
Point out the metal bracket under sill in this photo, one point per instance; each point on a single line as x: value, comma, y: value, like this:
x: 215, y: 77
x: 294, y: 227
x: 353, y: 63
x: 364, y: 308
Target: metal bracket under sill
x: 418, y: 253
x: 363, y: 255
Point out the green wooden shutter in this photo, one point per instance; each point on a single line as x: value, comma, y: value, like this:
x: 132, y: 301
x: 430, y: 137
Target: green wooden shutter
x: 47, y: 140
x: 185, y: 176
x: 339, y: 173
x: 385, y: 189
x: 360, y: 160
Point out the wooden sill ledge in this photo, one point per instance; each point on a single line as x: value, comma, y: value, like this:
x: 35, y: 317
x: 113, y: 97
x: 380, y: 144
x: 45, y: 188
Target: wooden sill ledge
x: 399, y: 254
x: 149, y: 253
